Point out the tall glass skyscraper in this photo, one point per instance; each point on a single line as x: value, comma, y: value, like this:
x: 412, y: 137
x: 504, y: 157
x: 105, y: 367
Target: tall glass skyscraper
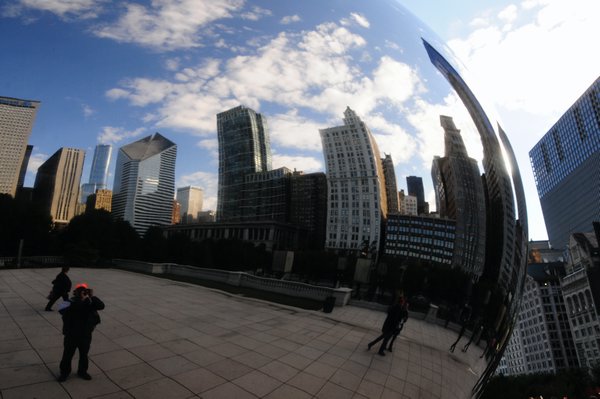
x: 566, y: 167
x: 244, y: 148
x: 144, y: 184
x: 98, y: 172
x: 16, y: 121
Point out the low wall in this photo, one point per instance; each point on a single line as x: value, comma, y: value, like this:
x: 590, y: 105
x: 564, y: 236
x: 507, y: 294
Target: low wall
x: 240, y: 279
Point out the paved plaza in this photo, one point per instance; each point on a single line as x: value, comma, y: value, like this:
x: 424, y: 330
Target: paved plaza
x: 166, y: 339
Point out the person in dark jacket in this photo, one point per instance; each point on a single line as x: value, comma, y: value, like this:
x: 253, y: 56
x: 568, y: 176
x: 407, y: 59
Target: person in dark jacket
x: 80, y: 318
x: 60, y: 288
x: 390, y: 325
x: 403, y: 318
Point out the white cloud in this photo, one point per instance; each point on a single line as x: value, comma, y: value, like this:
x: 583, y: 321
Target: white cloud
x: 296, y: 162
x: 208, y: 182
x: 35, y: 161
x: 172, y: 64
x: 114, y: 135
x: 167, y: 24
x: 360, y: 19
x: 534, y: 54
x: 256, y: 13
x: 83, y: 9
x: 313, y: 70
x: 508, y: 14
x: 293, y: 131
x: 87, y: 110
x: 288, y: 19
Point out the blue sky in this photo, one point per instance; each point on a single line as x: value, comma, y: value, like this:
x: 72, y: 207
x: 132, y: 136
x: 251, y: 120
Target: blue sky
x: 112, y: 72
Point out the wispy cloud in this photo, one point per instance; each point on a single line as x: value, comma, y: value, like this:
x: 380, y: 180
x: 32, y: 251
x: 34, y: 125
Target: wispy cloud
x: 114, y: 135
x: 87, y: 110
x: 289, y: 19
x: 256, y: 13
x: 167, y: 24
x: 82, y: 9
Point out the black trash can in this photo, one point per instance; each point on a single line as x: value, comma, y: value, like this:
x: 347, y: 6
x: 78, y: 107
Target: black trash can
x: 329, y: 304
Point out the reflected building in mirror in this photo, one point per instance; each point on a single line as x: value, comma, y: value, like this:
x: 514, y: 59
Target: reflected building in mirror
x: 460, y: 196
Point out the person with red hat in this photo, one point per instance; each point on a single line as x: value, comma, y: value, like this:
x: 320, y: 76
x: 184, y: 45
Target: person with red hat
x: 80, y: 317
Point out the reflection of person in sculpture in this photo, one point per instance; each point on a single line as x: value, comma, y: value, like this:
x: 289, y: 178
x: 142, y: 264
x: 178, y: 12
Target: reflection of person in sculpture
x: 465, y: 318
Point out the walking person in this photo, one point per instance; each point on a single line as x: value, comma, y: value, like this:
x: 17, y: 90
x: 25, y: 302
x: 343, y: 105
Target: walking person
x: 80, y: 318
x: 391, y: 323
x: 403, y: 318
x: 61, y: 286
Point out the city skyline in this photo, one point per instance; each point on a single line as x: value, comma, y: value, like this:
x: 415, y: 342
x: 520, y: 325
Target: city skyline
x: 93, y: 115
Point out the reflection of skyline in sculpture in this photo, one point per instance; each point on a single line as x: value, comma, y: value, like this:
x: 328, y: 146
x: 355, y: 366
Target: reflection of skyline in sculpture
x: 506, y: 238
x: 501, y: 211
x: 460, y: 196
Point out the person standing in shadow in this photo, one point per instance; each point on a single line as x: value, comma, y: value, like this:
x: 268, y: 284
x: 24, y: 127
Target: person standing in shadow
x: 80, y: 318
x: 390, y: 325
x: 60, y: 288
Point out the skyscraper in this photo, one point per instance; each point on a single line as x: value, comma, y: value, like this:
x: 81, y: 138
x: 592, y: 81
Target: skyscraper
x: 57, y: 181
x: 391, y: 187
x: 357, y: 204
x: 414, y: 184
x: 308, y: 205
x: 16, y: 121
x: 244, y: 148
x: 190, y: 200
x: 460, y: 196
x: 144, y: 183
x: 566, y: 165
x: 98, y: 172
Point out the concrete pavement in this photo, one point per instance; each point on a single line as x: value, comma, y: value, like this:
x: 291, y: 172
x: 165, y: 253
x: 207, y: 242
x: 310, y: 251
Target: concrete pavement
x: 166, y: 339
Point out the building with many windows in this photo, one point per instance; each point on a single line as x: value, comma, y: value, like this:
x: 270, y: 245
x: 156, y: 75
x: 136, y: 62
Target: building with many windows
x: 190, y: 199
x: 407, y: 204
x: 265, y: 196
x: 420, y: 239
x: 144, y: 184
x: 357, y: 204
x: 16, y: 121
x: 101, y: 199
x: 565, y: 165
x: 460, y: 196
x: 542, y: 341
x: 56, y: 186
x: 581, y: 289
x: 244, y: 148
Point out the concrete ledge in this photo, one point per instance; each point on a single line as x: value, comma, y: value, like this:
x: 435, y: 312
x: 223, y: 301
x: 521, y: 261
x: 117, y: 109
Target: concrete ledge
x: 240, y: 279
